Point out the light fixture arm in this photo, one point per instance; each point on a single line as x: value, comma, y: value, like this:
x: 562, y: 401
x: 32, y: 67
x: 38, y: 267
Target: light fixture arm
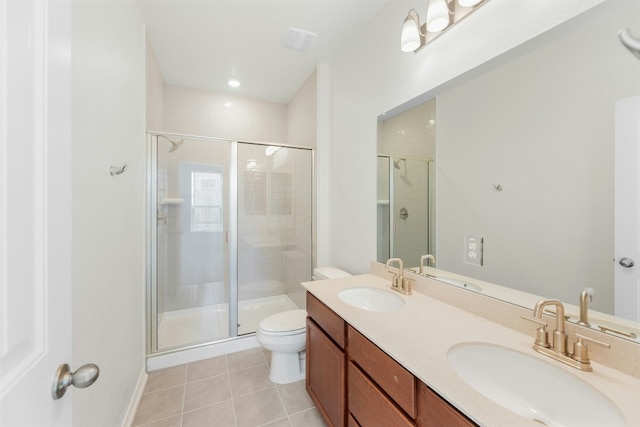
x: 417, y: 19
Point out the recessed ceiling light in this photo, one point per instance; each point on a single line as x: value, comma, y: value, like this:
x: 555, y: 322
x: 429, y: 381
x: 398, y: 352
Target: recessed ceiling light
x: 228, y: 104
x: 233, y: 83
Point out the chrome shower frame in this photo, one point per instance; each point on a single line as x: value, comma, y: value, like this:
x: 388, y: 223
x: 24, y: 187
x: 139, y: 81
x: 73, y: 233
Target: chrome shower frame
x: 151, y: 317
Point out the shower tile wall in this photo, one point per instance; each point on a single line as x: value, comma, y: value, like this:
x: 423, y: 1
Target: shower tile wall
x: 196, y: 112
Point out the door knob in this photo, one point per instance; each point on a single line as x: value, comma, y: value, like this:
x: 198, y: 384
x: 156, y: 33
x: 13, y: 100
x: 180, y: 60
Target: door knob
x: 627, y: 262
x: 83, y: 377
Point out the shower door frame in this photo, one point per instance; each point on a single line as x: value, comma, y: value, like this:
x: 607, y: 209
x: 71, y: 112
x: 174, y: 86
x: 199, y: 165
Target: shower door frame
x: 151, y: 309
x: 391, y: 158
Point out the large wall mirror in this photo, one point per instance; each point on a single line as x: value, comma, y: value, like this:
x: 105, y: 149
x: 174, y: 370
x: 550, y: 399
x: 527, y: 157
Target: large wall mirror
x: 524, y: 160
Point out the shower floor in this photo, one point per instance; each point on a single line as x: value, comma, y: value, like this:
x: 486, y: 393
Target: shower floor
x: 211, y: 323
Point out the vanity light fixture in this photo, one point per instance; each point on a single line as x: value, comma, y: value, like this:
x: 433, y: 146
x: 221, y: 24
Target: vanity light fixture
x: 441, y: 15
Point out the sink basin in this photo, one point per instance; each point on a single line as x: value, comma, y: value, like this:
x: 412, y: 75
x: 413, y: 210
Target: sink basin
x: 460, y: 284
x: 372, y: 299
x: 533, y: 388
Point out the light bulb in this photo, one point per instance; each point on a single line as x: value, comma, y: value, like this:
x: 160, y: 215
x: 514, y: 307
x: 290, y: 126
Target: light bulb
x: 437, y: 16
x: 410, y: 38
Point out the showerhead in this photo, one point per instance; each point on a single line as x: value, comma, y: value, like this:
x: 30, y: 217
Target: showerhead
x: 174, y: 144
x: 396, y: 164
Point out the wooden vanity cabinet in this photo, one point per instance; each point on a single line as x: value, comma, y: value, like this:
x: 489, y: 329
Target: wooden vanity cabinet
x: 354, y: 383
x: 326, y: 362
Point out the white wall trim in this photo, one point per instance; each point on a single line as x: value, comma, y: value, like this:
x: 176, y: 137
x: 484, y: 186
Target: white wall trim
x: 135, y: 399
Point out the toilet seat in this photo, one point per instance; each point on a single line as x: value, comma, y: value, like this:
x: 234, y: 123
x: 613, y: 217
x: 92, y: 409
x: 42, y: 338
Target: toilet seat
x: 285, y: 323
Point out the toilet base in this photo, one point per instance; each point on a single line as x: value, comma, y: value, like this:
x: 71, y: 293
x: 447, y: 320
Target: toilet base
x: 287, y: 367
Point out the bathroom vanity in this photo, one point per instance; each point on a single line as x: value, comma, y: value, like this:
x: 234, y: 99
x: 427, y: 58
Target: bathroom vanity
x: 355, y: 383
x: 391, y: 367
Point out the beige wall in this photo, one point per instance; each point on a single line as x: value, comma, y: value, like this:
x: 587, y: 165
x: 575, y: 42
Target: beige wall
x: 154, y: 89
x: 302, y: 112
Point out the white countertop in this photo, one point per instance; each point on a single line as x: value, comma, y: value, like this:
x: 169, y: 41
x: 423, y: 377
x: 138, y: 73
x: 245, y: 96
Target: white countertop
x: 419, y: 335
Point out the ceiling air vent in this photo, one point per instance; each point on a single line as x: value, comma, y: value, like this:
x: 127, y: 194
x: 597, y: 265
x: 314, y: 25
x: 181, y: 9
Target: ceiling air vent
x: 297, y: 39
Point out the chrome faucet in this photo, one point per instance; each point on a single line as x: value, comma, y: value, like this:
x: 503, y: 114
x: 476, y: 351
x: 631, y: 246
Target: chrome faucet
x: 558, y: 348
x: 399, y: 282
x: 432, y: 261
x: 585, y: 297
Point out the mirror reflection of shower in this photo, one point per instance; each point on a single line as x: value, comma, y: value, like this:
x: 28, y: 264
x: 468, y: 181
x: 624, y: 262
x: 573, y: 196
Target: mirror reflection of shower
x: 405, y: 188
x: 396, y: 164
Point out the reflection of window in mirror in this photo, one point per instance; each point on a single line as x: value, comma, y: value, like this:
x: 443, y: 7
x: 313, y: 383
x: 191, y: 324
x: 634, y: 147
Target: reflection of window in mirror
x: 281, y: 193
x: 206, y: 201
x: 253, y: 186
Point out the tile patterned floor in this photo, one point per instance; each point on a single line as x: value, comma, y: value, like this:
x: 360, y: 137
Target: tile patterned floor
x: 232, y: 390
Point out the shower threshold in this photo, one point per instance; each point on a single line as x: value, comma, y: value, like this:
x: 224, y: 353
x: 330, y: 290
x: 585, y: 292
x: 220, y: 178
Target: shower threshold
x: 181, y: 328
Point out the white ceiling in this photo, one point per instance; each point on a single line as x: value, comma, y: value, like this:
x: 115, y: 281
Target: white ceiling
x: 201, y: 44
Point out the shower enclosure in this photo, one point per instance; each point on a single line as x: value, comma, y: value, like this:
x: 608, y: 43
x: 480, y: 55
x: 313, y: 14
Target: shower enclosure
x: 406, y: 208
x: 230, y: 236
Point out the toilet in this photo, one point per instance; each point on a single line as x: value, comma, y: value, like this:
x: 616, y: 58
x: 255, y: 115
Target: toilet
x: 284, y: 334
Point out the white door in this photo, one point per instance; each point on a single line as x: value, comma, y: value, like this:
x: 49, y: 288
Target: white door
x: 627, y: 214
x: 35, y: 210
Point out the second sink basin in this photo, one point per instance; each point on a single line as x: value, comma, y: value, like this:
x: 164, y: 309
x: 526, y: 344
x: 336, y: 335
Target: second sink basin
x: 373, y: 299
x: 532, y: 387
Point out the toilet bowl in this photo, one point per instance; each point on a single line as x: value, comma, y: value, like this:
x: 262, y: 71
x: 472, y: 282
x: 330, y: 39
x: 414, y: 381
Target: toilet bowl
x: 284, y: 334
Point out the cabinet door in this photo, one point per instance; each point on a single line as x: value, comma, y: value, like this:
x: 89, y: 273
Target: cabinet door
x: 326, y: 382
x: 434, y: 411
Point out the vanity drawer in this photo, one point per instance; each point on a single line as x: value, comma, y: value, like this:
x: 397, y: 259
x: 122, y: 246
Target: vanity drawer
x: 434, y: 411
x: 368, y: 406
x: 330, y: 322
x: 395, y: 380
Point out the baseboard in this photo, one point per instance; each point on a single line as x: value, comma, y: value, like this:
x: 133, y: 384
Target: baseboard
x: 135, y: 399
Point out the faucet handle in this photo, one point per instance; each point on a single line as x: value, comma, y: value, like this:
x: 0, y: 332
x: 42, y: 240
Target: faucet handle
x: 581, y: 350
x: 542, y: 335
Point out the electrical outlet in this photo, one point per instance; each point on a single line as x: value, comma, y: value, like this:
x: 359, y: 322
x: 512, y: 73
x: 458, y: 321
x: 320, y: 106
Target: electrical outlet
x: 473, y: 250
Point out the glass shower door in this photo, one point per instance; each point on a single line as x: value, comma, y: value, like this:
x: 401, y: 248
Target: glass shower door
x: 192, y: 268
x: 274, y: 230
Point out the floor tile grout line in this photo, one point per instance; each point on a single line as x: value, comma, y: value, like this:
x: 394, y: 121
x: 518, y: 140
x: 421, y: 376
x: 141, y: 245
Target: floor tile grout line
x: 282, y: 402
x: 233, y: 399
x: 184, y: 393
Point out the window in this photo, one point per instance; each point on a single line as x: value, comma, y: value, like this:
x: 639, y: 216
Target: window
x: 206, y: 201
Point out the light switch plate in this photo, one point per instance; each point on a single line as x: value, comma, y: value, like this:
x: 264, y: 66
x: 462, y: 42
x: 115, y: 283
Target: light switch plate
x: 473, y: 250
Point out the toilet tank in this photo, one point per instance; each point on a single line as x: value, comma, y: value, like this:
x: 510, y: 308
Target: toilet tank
x: 323, y: 273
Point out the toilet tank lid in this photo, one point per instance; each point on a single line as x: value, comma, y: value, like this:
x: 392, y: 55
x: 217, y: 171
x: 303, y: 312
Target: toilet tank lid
x: 329, y: 273
x: 285, y: 321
